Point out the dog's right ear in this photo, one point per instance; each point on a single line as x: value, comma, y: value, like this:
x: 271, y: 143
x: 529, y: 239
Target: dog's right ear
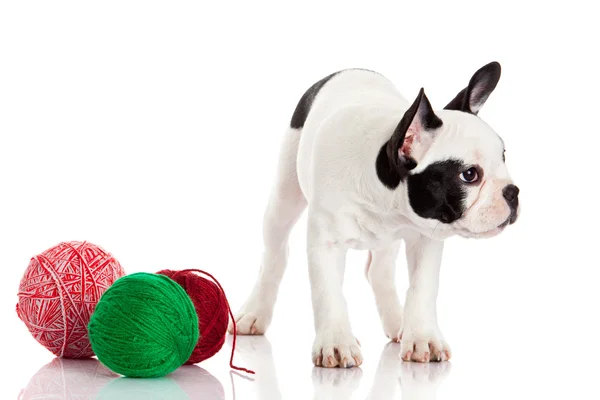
x: 481, y: 85
x: 409, y: 142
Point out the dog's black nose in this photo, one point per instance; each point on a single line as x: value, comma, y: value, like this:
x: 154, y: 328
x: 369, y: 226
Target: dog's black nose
x: 511, y: 193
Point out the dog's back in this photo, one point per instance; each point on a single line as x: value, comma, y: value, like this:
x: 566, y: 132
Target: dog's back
x: 344, y: 117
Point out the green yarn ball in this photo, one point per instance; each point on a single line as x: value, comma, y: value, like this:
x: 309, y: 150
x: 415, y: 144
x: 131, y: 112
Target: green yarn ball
x: 144, y: 326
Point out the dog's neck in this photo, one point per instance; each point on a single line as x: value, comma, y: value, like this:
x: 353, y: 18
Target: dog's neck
x: 390, y: 210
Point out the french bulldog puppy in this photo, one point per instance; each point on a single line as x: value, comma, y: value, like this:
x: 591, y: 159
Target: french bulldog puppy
x: 375, y: 169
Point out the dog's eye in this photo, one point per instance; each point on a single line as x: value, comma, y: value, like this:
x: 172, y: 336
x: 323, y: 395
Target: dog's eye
x: 469, y: 175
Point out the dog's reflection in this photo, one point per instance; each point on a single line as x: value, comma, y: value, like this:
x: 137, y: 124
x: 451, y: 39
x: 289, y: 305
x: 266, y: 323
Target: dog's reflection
x: 415, y: 381
x: 328, y: 383
x: 335, y: 383
x: 88, y: 379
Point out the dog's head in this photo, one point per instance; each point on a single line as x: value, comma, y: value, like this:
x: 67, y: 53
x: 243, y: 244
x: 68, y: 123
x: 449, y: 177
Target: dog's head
x: 453, y: 164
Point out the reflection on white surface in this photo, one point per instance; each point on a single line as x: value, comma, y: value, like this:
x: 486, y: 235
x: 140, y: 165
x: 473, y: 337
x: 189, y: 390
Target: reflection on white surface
x: 88, y: 379
x: 416, y: 381
x: 421, y: 381
x: 68, y: 379
x: 335, y: 383
x: 257, y: 352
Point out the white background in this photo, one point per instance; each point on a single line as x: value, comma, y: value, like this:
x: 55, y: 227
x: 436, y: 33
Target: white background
x: 152, y: 129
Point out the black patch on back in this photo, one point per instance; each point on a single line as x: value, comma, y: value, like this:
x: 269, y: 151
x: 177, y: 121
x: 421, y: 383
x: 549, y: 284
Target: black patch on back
x: 305, y: 103
x: 438, y: 192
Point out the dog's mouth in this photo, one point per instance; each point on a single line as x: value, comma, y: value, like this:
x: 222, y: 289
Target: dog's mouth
x: 465, y: 232
x: 481, y: 235
x: 505, y: 223
x: 512, y: 218
x: 492, y: 232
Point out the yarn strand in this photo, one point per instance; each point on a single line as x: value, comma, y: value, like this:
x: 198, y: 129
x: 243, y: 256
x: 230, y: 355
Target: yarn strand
x: 230, y: 314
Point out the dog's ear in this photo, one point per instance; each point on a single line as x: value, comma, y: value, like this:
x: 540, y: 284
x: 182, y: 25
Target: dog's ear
x: 414, y: 134
x: 482, y: 84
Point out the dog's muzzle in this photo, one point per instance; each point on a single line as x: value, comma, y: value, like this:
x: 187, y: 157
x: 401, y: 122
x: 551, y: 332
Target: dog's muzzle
x: 511, y: 195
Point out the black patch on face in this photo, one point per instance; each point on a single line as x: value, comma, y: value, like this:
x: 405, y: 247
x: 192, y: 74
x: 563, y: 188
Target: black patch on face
x: 437, y: 192
x: 305, y: 103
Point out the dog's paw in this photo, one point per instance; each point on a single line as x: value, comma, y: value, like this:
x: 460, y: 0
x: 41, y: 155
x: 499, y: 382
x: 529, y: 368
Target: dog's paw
x: 392, y: 325
x: 251, y: 320
x: 336, y: 349
x: 424, y: 348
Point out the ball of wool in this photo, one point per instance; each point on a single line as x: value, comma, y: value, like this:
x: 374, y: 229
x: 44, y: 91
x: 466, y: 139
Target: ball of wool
x: 212, y: 310
x: 68, y: 379
x: 59, y: 291
x: 144, y: 326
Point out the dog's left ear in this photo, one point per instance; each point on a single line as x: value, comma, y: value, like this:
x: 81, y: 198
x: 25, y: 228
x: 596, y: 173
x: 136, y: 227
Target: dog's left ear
x: 474, y: 96
x: 410, y: 141
x: 414, y: 134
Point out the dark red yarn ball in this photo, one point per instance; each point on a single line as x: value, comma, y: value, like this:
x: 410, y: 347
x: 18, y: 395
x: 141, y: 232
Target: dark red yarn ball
x: 212, y: 309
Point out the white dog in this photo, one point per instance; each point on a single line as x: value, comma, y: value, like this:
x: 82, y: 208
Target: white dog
x: 374, y: 170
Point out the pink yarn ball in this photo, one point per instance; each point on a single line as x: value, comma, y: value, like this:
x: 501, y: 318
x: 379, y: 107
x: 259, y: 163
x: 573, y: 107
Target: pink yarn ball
x: 59, y: 291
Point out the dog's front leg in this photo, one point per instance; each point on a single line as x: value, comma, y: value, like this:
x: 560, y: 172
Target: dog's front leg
x: 335, y: 345
x: 422, y: 340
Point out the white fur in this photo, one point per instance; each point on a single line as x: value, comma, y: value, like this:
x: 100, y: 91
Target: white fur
x: 330, y: 165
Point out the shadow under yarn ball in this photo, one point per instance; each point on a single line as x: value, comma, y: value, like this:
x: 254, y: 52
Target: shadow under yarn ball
x: 144, y: 326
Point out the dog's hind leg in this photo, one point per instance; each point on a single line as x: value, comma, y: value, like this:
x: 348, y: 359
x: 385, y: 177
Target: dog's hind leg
x: 286, y: 203
x: 381, y: 273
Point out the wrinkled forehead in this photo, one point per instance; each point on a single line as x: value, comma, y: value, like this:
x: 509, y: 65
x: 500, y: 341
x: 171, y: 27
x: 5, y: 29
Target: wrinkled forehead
x: 467, y: 138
